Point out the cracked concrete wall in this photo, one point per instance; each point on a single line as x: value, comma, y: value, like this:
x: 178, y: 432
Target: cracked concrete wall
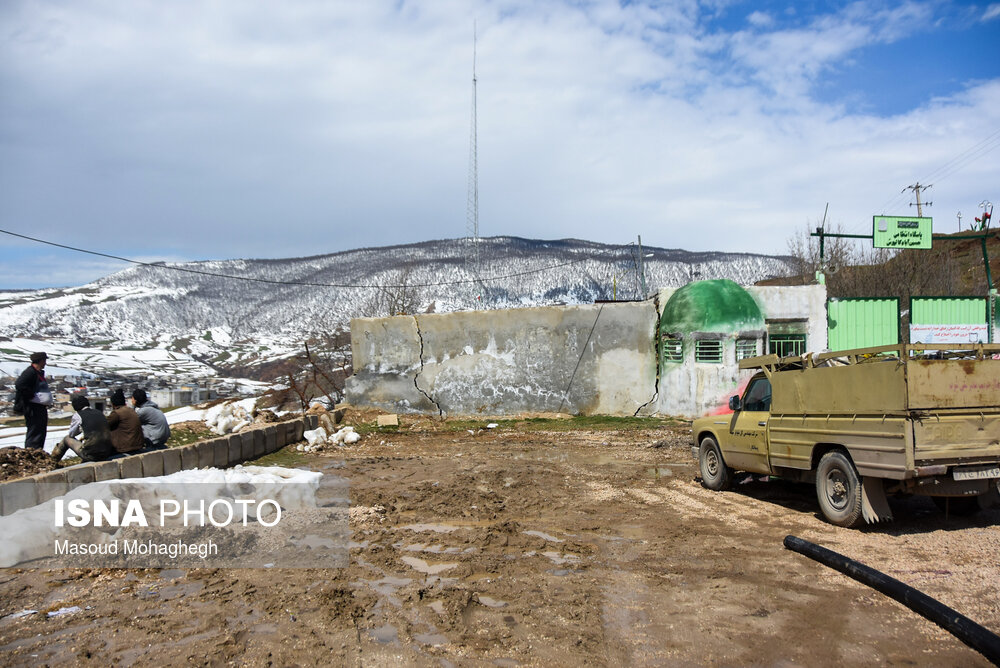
x: 386, y: 354
x: 587, y: 359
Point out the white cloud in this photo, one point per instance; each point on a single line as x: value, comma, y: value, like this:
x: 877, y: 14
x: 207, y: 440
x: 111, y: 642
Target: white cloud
x: 991, y: 12
x: 249, y: 130
x: 760, y: 19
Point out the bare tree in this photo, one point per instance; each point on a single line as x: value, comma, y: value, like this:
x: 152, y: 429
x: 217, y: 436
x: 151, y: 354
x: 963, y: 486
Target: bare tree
x: 805, y: 252
x: 393, y: 296
x: 326, y: 365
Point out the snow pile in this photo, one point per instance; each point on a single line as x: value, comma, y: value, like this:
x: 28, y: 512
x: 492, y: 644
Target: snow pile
x: 231, y: 416
x: 30, y: 533
x: 317, y: 439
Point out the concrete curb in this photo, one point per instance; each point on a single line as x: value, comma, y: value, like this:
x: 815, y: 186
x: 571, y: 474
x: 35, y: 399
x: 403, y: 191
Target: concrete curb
x: 220, y: 452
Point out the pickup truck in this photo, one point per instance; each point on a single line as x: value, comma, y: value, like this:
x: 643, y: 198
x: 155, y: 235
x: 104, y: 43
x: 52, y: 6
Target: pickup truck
x: 862, y: 424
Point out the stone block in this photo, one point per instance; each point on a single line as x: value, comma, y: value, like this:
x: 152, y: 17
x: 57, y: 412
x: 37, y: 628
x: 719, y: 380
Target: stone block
x: 82, y: 474
x: 171, y: 461
x: 50, y: 485
x: 130, y: 466
x: 259, y: 443
x: 327, y: 422
x: 206, y: 454
x: 298, y: 426
x: 271, y: 439
x: 221, y: 448
x: 313, y: 421
x: 189, y: 456
x: 109, y: 470
x: 391, y: 420
x: 18, y: 494
x: 152, y: 463
x: 246, y: 449
x: 235, y: 450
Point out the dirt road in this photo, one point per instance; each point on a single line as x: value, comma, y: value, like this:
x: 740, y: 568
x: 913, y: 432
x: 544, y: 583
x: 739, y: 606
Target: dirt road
x: 509, y: 548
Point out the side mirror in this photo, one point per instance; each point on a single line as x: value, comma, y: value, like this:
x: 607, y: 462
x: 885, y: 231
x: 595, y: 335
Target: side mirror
x: 734, y: 403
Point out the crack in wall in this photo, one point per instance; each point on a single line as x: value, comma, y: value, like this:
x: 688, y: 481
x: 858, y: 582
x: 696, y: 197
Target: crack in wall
x: 416, y: 376
x: 656, y: 356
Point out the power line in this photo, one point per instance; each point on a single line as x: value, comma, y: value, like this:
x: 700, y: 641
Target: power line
x: 188, y: 270
x: 957, y: 163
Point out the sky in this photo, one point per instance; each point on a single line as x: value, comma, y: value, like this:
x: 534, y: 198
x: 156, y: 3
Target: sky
x: 184, y: 130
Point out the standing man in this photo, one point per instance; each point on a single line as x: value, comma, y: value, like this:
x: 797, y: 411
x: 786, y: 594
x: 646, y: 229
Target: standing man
x: 33, y: 398
x: 155, y: 429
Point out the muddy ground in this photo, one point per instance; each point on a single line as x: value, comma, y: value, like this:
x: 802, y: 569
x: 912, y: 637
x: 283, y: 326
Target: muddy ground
x: 504, y: 547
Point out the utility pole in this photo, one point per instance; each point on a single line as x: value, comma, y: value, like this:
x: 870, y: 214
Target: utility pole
x: 916, y: 188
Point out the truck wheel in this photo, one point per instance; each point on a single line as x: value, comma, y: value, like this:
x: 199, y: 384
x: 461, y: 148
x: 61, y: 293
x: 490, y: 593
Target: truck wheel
x: 715, y: 475
x: 959, y: 506
x: 838, y: 489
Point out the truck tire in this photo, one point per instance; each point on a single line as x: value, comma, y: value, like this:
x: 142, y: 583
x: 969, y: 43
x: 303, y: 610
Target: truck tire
x: 838, y: 489
x: 715, y: 475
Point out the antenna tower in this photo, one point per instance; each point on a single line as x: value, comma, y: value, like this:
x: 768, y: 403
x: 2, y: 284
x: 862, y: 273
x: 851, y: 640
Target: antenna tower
x: 472, y: 205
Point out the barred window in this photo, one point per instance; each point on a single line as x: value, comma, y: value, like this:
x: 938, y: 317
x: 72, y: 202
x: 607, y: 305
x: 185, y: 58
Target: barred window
x: 745, y: 348
x: 786, y: 345
x: 708, y: 351
x: 673, y: 350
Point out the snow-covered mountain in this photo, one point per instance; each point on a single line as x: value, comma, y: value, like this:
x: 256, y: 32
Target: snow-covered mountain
x: 243, y: 312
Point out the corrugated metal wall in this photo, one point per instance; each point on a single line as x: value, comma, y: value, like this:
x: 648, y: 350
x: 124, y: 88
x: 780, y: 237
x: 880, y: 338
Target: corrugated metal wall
x: 947, y: 310
x: 859, y: 323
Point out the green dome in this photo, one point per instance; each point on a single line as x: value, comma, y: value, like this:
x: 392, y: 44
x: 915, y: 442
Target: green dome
x: 711, y: 306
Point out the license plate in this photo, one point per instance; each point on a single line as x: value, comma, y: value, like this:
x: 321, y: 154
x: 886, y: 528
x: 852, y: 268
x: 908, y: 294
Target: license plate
x: 976, y: 473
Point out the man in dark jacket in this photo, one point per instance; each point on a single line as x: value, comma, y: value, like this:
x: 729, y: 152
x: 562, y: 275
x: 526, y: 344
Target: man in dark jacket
x: 33, y: 399
x: 126, y: 430
x: 96, y: 444
x: 155, y: 428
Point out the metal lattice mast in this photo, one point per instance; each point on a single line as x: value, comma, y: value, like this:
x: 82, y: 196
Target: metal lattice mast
x: 472, y: 205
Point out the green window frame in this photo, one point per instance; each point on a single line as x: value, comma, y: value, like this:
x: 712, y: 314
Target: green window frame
x: 786, y: 345
x: 708, y: 351
x: 746, y: 348
x: 672, y: 350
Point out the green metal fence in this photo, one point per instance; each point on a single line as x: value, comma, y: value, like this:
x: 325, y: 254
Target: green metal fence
x: 862, y: 322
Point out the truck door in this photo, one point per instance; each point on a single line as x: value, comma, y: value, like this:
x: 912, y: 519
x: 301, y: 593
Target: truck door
x: 748, y: 429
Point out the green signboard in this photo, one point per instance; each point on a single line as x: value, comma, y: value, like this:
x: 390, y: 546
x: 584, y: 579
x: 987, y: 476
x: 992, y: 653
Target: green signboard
x: 902, y: 232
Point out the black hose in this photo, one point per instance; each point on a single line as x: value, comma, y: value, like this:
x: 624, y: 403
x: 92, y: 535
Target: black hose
x: 972, y: 634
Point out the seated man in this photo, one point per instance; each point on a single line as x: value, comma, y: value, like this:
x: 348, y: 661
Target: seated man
x: 96, y: 444
x: 155, y: 430
x: 126, y: 429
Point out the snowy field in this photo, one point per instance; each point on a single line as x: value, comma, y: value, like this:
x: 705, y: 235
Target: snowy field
x: 70, y: 360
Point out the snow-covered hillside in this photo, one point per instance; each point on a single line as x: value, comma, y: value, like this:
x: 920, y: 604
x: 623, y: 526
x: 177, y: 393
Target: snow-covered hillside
x: 190, y: 309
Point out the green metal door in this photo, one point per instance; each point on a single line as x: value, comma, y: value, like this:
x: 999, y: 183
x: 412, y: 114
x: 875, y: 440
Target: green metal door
x: 862, y: 322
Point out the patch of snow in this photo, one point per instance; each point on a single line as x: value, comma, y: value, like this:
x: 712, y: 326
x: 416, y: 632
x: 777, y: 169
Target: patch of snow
x: 65, y: 611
